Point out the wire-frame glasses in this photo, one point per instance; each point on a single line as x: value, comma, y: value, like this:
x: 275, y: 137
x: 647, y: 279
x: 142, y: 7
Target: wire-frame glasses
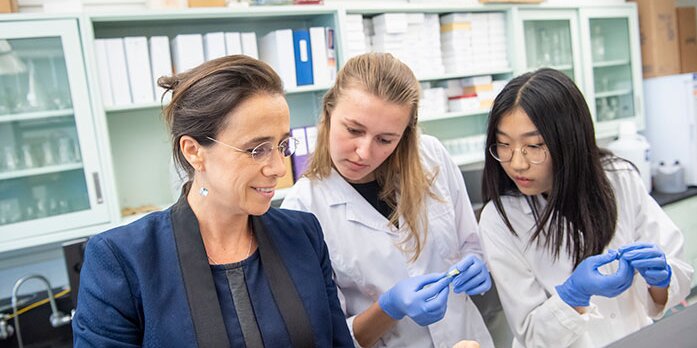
x: 533, y: 153
x: 263, y: 151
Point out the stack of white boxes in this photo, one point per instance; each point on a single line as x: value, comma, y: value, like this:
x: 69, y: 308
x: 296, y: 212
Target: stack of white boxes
x: 429, y: 47
x: 433, y: 101
x: 354, y: 36
x: 498, y: 52
x: 473, y: 41
x: 456, y: 42
x: 466, y: 150
x: 413, y: 38
x: 391, y: 36
x: 472, y: 94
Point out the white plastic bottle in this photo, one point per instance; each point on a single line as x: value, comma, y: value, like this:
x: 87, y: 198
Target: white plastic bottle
x: 634, y: 148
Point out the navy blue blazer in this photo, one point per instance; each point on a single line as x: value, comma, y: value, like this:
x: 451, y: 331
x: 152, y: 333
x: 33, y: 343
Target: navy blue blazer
x: 132, y: 293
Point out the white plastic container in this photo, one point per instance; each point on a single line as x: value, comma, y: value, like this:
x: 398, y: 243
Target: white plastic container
x: 634, y: 148
x: 670, y: 178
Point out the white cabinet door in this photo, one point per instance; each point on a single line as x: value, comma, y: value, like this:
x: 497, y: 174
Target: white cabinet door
x: 49, y: 168
x: 549, y: 38
x: 612, y: 52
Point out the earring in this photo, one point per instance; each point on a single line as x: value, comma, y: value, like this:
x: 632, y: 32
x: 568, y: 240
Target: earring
x: 203, y: 192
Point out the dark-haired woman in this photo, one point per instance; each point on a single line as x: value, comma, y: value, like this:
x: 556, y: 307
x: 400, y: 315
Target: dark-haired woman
x: 581, y: 254
x: 218, y: 268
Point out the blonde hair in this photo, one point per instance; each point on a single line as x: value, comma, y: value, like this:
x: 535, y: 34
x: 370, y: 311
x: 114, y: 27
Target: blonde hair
x: 402, y: 173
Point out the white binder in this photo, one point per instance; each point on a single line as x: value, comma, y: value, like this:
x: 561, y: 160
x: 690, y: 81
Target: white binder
x: 187, y: 51
x: 320, y: 65
x: 277, y: 51
x: 249, y: 44
x: 214, y: 44
x: 139, y: 73
x: 233, y: 43
x: 118, y: 71
x: 160, y: 63
x: 100, y: 55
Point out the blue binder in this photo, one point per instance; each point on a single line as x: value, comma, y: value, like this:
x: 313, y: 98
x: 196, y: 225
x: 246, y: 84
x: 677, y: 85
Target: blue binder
x: 303, y: 57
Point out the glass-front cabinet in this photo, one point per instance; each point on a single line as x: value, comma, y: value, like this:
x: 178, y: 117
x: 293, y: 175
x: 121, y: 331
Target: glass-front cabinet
x: 49, y: 167
x: 613, y: 83
x: 550, y: 39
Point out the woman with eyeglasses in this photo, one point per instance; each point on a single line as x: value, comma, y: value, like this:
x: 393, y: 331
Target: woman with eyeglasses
x: 394, y: 209
x: 219, y: 268
x: 580, y: 253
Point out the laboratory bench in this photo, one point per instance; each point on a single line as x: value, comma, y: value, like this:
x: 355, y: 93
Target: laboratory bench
x: 35, y: 326
x: 667, y: 198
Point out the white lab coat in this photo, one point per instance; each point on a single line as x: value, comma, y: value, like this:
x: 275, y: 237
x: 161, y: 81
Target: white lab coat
x: 526, y: 274
x: 366, y: 261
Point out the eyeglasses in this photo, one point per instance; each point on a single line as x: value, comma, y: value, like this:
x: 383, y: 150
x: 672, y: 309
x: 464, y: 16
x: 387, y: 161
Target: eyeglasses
x: 263, y: 151
x: 534, y: 154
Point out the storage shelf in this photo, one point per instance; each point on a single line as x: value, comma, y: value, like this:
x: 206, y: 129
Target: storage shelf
x: 39, y: 171
x: 427, y: 118
x: 211, y: 13
x: 613, y: 93
x: 464, y: 159
x: 561, y: 67
x: 379, y: 7
x: 308, y: 89
x: 458, y: 75
x: 36, y: 115
x: 610, y: 63
x: 152, y: 105
x: 133, y: 107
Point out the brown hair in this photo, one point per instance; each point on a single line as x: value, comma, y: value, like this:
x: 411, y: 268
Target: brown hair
x: 401, y: 174
x: 203, y: 97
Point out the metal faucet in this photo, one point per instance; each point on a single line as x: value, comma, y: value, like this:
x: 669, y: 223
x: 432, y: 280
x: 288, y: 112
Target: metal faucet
x: 57, y: 317
x: 5, y: 330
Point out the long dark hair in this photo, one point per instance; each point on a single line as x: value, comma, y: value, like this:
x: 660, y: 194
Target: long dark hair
x: 581, y: 212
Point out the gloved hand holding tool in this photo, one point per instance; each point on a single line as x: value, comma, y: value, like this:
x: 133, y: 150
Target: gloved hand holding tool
x: 470, y: 275
x: 650, y: 261
x: 423, y: 298
x: 587, y: 281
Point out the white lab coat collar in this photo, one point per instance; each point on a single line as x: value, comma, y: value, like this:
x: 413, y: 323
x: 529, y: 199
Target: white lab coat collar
x: 525, y: 206
x: 357, y: 208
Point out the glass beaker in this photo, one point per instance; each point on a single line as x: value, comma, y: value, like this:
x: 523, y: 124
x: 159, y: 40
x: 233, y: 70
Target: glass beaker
x: 544, y: 55
x: 598, y: 44
x: 27, y: 156
x: 10, y: 160
x: 66, y: 150
x: 47, y: 150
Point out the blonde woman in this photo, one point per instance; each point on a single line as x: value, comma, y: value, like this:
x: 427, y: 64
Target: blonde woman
x: 395, y: 213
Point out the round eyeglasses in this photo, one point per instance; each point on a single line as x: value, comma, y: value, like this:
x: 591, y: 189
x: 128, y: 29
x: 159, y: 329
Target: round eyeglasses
x: 534, y: 154
x: 263, y: 151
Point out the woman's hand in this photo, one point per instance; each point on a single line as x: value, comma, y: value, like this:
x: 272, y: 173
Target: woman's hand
x: 587, y: 281
x: 466, y: 344
x: 424, y: 298
x: 472, y: 276
x: 650, y: 261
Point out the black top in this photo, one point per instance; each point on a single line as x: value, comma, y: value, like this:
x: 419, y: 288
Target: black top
x: 371, y: 192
